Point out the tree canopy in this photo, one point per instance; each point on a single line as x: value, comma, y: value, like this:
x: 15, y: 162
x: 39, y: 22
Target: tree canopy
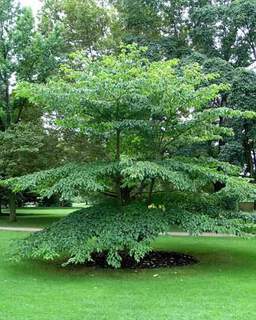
x: 141, y: 112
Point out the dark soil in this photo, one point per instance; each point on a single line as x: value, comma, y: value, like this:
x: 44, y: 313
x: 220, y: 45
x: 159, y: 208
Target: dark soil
x: 154, y: 259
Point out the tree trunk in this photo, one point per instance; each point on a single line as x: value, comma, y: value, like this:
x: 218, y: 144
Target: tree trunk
x: 8, y: 106
x: 126, y: 195
x: 150, y: 194
x: 247, y: 146
x: 248, y: 157
x: 254, y: 163
x: 223, y: 103
x: 221, y: 142
x: 12, y: 207
x: 117, y: 157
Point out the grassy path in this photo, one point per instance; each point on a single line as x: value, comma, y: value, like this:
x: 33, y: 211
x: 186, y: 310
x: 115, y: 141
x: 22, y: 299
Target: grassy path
x: 20, y: 229
x: 174, y: 233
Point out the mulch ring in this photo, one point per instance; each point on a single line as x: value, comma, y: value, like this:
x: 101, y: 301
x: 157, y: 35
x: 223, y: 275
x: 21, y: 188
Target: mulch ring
x: 154, y: 259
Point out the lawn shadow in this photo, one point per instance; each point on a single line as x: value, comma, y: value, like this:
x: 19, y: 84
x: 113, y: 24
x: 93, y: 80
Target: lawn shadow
x: 211, y: 259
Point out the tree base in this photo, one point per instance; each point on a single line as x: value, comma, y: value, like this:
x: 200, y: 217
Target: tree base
x: 152, y: 260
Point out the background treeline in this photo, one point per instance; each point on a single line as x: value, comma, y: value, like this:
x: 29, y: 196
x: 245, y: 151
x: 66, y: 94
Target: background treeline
x: 220, y: 35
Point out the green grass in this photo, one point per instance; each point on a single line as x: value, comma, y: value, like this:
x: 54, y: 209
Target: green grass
x: 35, y: 217
x: 221, y: 287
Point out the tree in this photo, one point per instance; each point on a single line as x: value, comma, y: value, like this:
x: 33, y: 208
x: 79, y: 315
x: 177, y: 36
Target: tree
x: 170, y: 29
x: 243, y: 15
x: 11, y: 31
x: 161, y: 25
x: 25, y: 54
x: 141, y: 113
x: 221, y: 30
x: 84, y: 24
x: 238, y: 149
x: 18, y: 144
x: 242, y: 96
x: 224, y: 29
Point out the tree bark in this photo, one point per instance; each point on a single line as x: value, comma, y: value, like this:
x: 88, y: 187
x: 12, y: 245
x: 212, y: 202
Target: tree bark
x: 254, y: 163
x: 126, y: 195
x: 247, y: 146
x: 248, y: 157
x: 118, y: 178
x: 221, y: 142
x: 151, y: 188
x: 12, y: 207
x: 223, y: 102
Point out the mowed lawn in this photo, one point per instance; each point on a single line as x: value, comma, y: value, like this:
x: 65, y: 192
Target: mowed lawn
x: 221, y: 287
x: 35, y: 217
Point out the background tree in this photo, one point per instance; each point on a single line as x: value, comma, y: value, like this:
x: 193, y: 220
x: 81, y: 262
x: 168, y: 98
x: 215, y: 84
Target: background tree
x: 24, y: 55
x: 11, y: 17
x: 159, y: 25
x: 239, y: 148
x: 224, y: 29
x: 242, y: 97
x: 84, y: 24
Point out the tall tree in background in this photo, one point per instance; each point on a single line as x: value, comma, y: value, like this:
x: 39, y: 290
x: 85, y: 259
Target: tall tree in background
x: 85, y: 24
x: 24, y: 55
x: 224, y: 29
x: 159, y: 25
x: 12, y: 36
x: 243, y: 96
x: 238, y: 149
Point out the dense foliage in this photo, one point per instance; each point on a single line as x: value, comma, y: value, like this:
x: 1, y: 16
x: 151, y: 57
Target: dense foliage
x: 100, y: 229
x: 142, y: 113
x: 117, y: 231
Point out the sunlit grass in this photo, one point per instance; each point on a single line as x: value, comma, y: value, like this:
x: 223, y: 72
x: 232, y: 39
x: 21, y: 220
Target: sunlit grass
x: 221, y: 287
x: 35, y: 217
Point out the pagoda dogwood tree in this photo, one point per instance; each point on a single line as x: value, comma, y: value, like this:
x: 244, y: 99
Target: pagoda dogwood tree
x: 141, y: 114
